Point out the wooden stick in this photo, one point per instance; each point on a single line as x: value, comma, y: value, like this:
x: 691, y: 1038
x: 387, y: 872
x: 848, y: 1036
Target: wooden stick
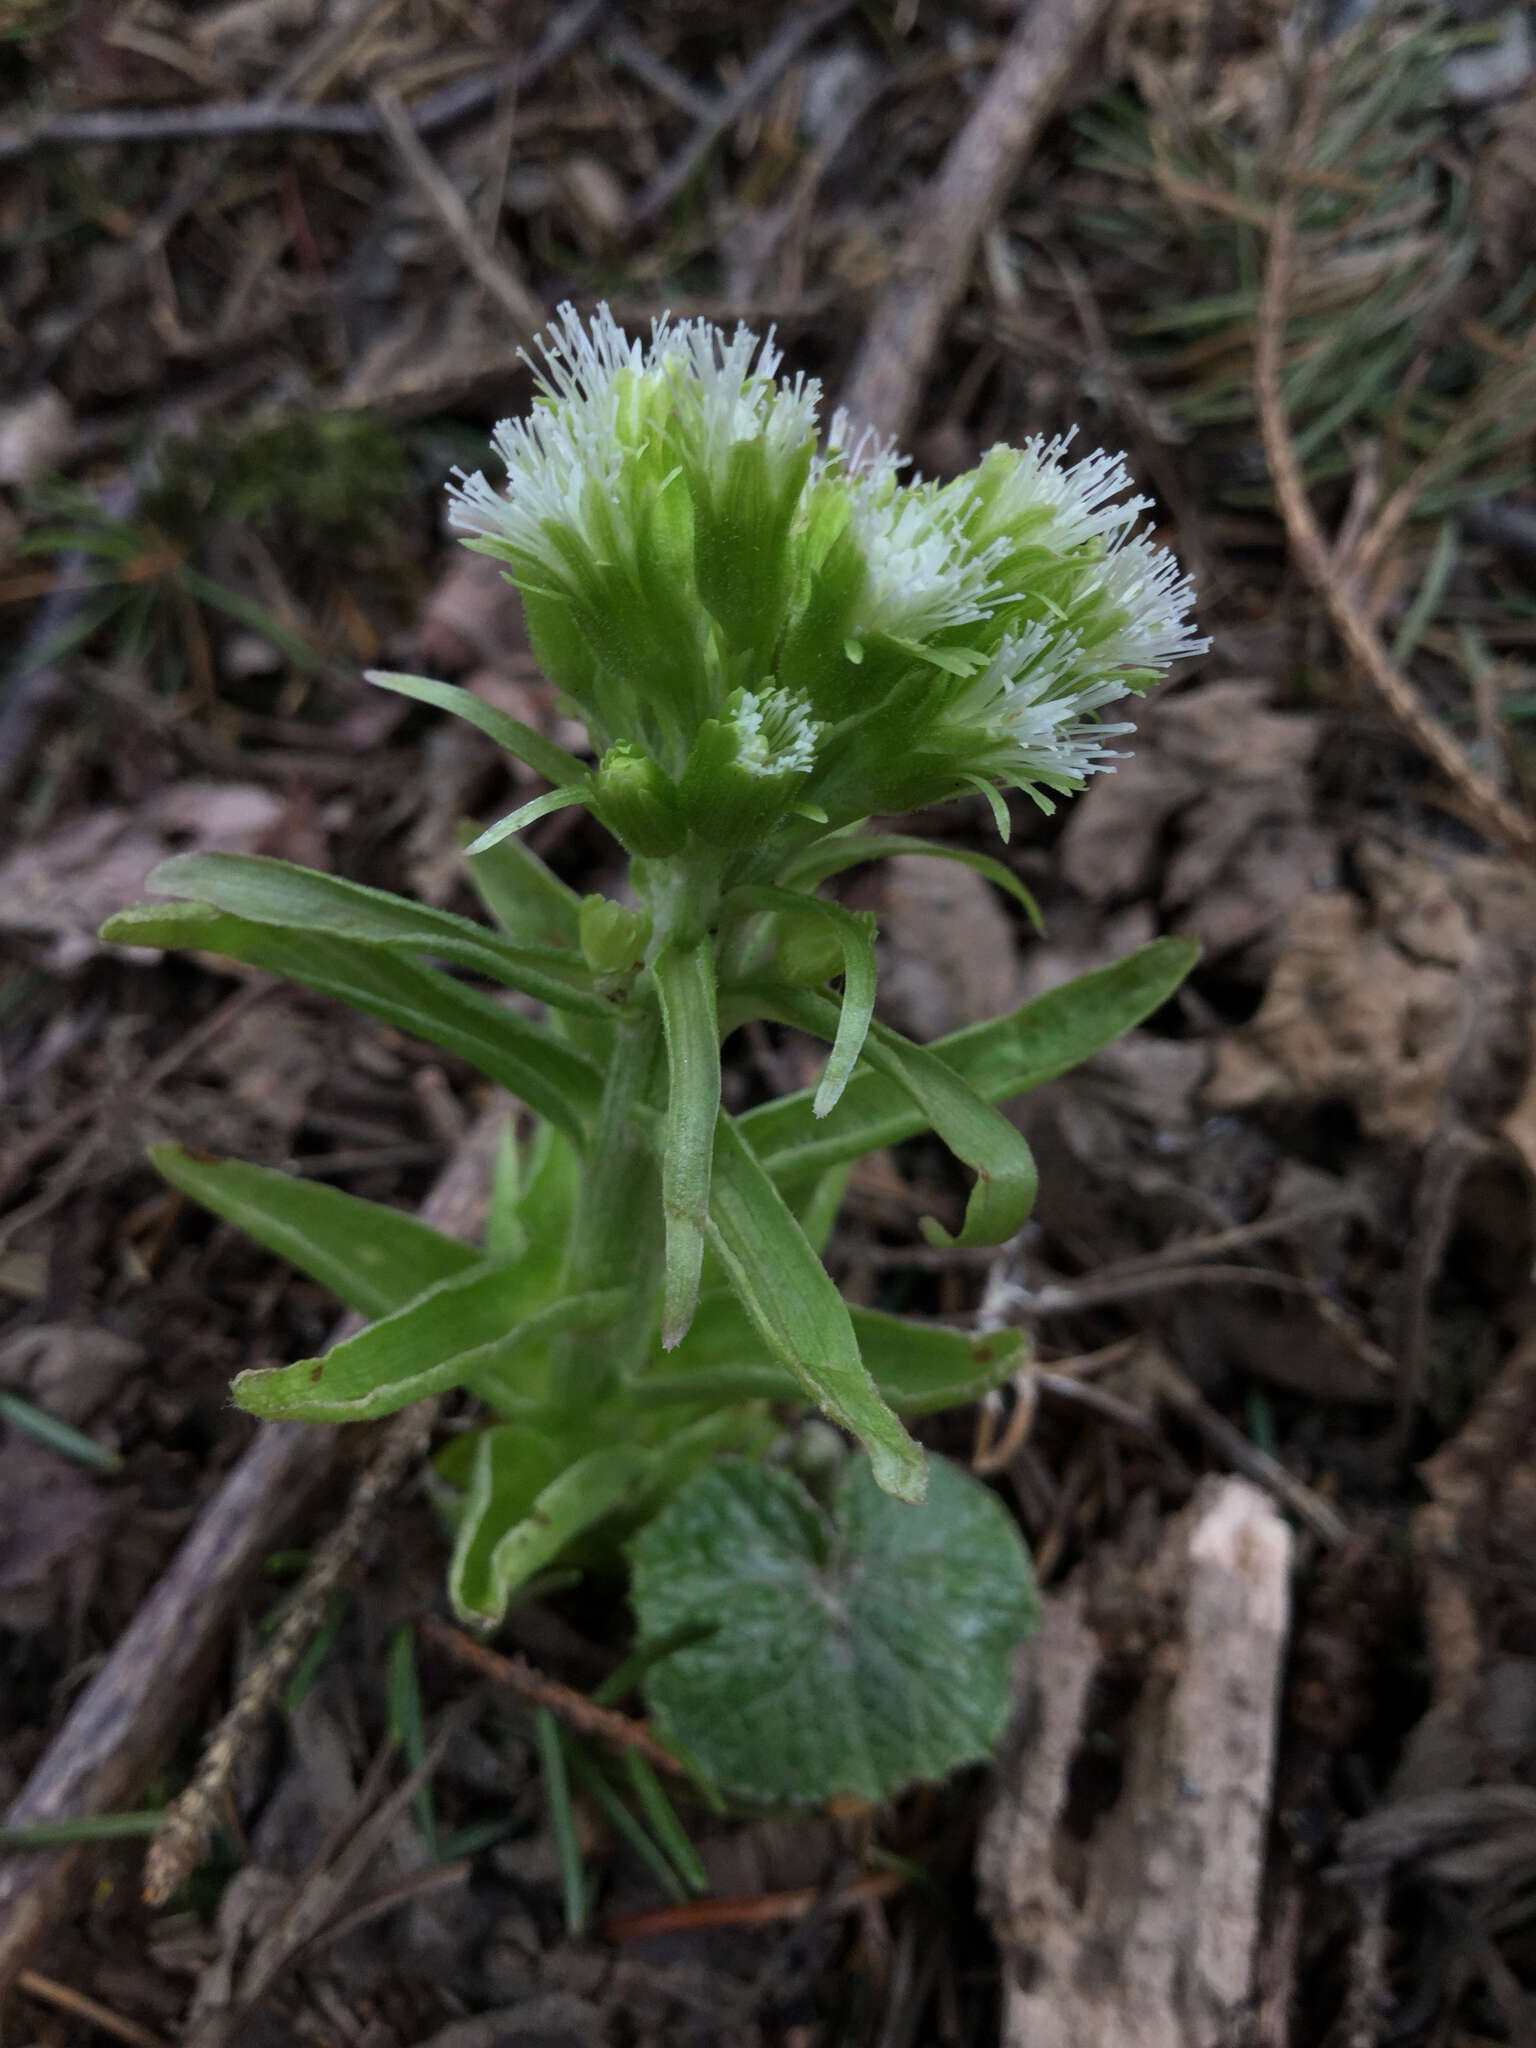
x: 127, y: 1720
x: 886, y: 381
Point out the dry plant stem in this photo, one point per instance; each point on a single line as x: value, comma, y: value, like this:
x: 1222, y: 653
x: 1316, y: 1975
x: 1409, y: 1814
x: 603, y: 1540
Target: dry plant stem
x: 517, y: 1675
x: 776, y: 55
x: 126, y: 1721
x: 1318, y: 562
x: 489, y: 270
x: 757, y: 1909
x: 886, y: 380
x: 183, y: 1841
x: 1309, y: 1508
x: 64, y: 1998
x: 227, y: 119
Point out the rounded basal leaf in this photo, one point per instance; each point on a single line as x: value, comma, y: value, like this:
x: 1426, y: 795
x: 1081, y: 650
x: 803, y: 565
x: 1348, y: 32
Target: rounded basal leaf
x: 849, y: 1652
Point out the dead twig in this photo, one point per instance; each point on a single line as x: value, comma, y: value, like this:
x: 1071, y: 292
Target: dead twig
x: 64, y: 1998
x: 126, y: 1720
x: 776, y: 55
x: 517, y: 1675
x: 491, y: 272
x: 1183, y: 1396
x: 1318, y: 562
x: 886, y: 380
x: 758, y: 1909
x: 183, y: 1841
x: 227, y: 120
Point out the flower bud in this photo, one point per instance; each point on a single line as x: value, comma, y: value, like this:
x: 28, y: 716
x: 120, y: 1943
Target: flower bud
x: 747, y: 768
x: 638, y: 803
x: 613, y: 937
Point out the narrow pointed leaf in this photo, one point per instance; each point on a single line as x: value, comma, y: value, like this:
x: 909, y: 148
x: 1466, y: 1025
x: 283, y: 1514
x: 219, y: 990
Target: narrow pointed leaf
x: 545, y: 1073
x: 525, y: 898
x: 1000, y: 1059
x: 978, y: 1136
x: 685, y: 984
x: 858, y: 1001
x: 496, y: 1553
x: 276, y: 892
x: 919, y: 1368
x: 443, y: 1338
x: 530, y: 813
x: 835, y: 854
x: 797, y: 1311
x: 542, y: 755
x: 374, y: 1258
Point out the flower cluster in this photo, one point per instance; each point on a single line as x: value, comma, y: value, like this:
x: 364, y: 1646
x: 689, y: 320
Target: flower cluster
x: 760, y: 632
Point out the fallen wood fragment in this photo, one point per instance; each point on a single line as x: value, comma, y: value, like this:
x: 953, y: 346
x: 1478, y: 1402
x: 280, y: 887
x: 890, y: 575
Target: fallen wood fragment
x: 127, y: 1720
x: 1137, y: 1926
x: 888, y: 373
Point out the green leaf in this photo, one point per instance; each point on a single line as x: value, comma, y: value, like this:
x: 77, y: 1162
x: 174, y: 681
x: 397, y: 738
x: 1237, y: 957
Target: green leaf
x: 835, y: 853
x: 1005, y: 1169
x: 1000, y: 1059
x: 460, y: 1328
x: 530, y: 813
x: 507, y: 1533
x: 922, y: 1368
x: 542, y: 755
x: 858, y: 1001
x: 798, y: 1313
x: 375, y: 1258
x: 548, y: 1075
x: 919, y: 1368
x: 519, y: 891
x: 685, y: 986
x: 851, y: 1653
x: 276, y: 892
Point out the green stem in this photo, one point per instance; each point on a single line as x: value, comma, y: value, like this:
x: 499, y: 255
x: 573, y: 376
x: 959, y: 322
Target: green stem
x: 616, y: 1238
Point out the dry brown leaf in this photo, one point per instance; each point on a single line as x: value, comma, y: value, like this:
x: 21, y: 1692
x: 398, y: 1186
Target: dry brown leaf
x: 64, y: 887
x: 947, y: 952
x: 1212, y: 815
x: 1407, y: 1003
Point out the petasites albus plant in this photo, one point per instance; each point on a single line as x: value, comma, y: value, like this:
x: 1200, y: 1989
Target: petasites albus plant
x: 772, y: 639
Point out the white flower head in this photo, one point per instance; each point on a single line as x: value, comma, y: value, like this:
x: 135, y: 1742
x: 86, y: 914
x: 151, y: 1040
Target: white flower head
x: 923, y: 574
x: 1149, y: 597
x: 575, y: 438
x: 775, y: 733
x: 1033, y: 706
x: 727, y: 397
x: 1041, y: 499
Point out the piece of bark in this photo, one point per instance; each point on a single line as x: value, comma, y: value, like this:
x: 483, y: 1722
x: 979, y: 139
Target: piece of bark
x: 886, y: 381
x: 1144, y: 1933
x: 127, y: 1720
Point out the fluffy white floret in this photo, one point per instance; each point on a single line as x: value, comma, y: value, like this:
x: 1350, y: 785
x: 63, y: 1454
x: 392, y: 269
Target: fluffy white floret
x: 1035, y: 712
x: 731, y: 390
x: 923, y: 573
x: 775, y: 733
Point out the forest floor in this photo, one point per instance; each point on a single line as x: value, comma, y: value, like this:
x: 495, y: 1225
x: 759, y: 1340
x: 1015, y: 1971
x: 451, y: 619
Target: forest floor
x: 267, y: 266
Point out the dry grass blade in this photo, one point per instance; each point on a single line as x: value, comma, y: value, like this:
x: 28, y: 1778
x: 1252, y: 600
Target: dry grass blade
x: 1318, y: 562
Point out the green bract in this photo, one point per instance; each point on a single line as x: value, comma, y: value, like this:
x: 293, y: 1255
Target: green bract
x: 782, y: 632
x: 770, y: 640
